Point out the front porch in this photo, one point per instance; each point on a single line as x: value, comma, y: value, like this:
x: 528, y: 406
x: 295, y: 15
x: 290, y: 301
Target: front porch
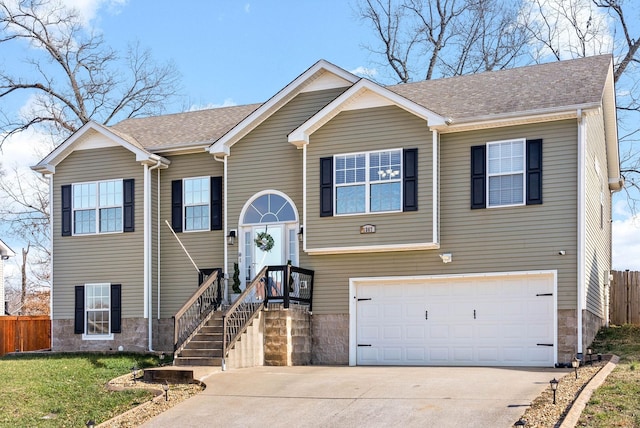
x: 268, y: 324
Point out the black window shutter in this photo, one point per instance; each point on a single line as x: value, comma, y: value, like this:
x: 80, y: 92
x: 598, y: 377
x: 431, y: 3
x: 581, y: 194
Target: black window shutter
x: 116, y: 308
x: 326, y: 187
x: 128, y: 205
x: 534, y: 172
x: 478, y: 177
x: 176, y: 205
x: 66, y: 210
x: 78, y: 322
x: 410, y: 180
x: 216, y: 203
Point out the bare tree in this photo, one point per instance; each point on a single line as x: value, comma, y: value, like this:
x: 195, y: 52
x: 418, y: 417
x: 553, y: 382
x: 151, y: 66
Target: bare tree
x: 71, y: 76
x: 75, y: 77
x: 435, y: 38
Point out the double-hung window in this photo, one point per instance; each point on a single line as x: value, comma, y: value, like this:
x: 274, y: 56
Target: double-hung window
x: 97, y: 207
x: 506, y: 173
x: 196, y: 203
x: 368, y: 182
x: 98, y: 309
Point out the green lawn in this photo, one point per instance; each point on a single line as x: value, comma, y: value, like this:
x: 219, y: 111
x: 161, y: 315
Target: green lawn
x: 617, y: 402
x: 65, y: 390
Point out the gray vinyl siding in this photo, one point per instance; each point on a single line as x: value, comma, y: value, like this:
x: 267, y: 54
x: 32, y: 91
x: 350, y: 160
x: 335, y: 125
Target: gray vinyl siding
x: 520, y: 238
x: 265, y: 160
x: 108, y: 258
x: 381, y: 128
x: 598, y: 235
x: 179, y: 278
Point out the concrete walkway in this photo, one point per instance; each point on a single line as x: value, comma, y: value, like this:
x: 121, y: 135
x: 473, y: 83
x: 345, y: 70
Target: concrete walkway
x: 321, y: 396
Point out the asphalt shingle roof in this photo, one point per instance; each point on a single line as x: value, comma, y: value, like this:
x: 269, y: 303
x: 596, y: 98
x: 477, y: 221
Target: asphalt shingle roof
x: 516, y: 90
x: 497, y: 93
x: 184, y: 129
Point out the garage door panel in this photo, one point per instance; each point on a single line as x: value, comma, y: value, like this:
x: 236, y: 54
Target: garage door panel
x: 433, y: 322
x: 392, y: 333
x: 489, y: 354
x: 415, y: 355
x: 463, y: 354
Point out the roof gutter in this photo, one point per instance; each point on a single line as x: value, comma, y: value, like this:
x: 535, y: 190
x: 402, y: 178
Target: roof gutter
x: 453, y: 124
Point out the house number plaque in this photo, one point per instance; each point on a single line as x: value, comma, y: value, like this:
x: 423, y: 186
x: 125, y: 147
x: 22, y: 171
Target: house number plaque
x: 368, y: 228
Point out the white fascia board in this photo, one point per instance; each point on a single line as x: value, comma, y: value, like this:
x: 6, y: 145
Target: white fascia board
x: 57, y: 155
x: 6, y: 251
x: 373, y: 248
x: 513, y: 119
x: 609, y: 112
x: 274, y: 103
x: 300, y: 135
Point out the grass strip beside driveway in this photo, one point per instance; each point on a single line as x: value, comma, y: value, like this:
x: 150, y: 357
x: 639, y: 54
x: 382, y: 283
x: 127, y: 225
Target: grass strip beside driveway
x: 616, y: 403
x: 65, y: 390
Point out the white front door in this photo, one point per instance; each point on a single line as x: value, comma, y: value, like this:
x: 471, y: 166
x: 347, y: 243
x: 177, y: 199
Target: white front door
x: 274, y: 257
x: 270, y: 212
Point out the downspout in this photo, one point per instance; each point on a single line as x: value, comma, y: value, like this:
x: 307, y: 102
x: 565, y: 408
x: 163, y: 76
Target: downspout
x: 158, y: 246
x: 148, y: 266
x: 51, y: 255
x: 436, y: 194
x: 304, y: 199
x: 225, y: 226
x: 581, y: 224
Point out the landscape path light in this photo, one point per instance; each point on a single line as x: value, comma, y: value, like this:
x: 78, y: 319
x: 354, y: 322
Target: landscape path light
x: 134, y: 373
x: 165, y: 387
x: 575, y: 363
x: 554, y: 387
x: 590, y: 354
x: 520, y: 423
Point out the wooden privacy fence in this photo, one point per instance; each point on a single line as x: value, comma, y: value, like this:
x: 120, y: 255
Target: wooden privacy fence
x: 624, y: 298
x: 24, y: 333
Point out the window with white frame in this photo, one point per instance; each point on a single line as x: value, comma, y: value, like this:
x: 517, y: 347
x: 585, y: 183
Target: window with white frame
x: 98, y: 309
x: 97, y: 207
x: 196, y: 203
x: 368, y: 182
x: 506, y: 172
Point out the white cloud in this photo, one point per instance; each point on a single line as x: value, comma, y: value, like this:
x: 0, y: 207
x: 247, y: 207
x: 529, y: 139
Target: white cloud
x: 365, y: 72
x: 247, y: 8
x: 626, y: 243
x: 88, y: 9
x: 226, y: 103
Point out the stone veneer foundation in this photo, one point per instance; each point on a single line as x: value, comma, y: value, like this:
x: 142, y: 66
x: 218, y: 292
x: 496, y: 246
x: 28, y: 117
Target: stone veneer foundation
x: 287, y: 336
x: 133, y: 338
x: 330, y: 339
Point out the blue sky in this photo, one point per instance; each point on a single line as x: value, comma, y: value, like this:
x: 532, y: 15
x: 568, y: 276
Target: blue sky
x: 241, y: 52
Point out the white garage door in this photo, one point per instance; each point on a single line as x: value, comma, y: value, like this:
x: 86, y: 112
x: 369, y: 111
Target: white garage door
x: 486, y: 321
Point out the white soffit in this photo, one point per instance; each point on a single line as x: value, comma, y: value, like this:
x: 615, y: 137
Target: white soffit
x: 90, y: 135
x: 94, y: 140
x: 326, y: 81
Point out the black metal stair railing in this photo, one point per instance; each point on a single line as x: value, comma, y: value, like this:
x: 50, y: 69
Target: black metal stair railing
x: 197, y: 310
x: 289, y: 284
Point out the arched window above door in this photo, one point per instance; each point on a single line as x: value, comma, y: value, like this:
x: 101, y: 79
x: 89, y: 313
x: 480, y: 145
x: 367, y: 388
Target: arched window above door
x: 269, y: 208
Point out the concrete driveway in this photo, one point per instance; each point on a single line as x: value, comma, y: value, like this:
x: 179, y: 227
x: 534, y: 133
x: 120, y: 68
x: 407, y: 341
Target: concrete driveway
x: 324, y: 396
